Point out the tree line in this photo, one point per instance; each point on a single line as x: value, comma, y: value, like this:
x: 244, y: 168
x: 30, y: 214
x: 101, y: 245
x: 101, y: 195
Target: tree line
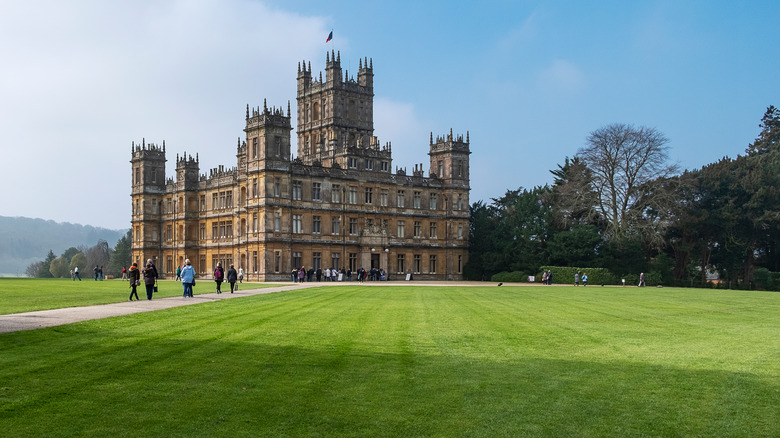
x: 113, y: 260
x: 619, y: 204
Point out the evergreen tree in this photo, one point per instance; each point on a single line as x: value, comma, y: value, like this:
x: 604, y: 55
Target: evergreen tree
x: 120, y: 257
x: 44, y: 271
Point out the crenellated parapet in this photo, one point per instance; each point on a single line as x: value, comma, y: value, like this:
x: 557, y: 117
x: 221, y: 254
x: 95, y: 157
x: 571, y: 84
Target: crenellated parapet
x: 273, y: 116
x: 147, y: 150
x: 450, y: 142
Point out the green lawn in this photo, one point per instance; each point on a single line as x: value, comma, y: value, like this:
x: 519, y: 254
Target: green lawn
x: 28, y: 294
x: 408, y: 361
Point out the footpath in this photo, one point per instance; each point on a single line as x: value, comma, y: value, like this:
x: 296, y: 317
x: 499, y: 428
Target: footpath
x: 54, y: 317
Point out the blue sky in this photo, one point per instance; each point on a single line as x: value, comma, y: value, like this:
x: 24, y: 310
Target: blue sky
x: 529, y: 80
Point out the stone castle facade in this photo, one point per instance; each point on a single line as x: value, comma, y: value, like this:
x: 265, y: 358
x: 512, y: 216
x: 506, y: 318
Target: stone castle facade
x: 335, y: 204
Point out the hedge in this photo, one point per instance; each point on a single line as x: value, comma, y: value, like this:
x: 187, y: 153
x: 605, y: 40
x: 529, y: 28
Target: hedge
x: 565, y: 275
x: 510, y: 277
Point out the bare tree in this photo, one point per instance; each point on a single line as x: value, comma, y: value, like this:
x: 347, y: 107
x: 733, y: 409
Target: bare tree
x: 98, y: 255
x: 623, y: 159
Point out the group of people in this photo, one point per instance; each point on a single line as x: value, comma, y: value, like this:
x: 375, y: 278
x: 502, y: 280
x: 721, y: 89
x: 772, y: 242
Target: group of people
x: 98, y: 273
x: 185, y: 274
x: 547, y: 278
x: 149, y: 274
x: 233, y: 276
x: 332, y: 274
x: 577, y: 279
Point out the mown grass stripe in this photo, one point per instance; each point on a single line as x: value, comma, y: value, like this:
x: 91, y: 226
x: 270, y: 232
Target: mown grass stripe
x: 407, y: 361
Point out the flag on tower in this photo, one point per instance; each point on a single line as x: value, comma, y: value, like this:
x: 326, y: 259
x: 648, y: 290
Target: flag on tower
x: 330, y: 37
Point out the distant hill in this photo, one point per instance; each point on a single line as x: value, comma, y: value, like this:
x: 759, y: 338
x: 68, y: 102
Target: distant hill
x: 25, y: 240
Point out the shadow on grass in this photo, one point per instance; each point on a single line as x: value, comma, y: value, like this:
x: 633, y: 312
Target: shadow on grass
x: 170, y: 385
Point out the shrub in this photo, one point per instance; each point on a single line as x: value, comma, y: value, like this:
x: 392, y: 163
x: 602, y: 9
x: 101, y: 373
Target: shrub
x: 631, y: 279
x: 510, y: 277
x: 762, y: 279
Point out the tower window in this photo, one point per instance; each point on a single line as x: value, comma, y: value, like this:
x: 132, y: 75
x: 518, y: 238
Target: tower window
x: 353, y: 195
x: 297, y: 224
x: 316, y: 224
x: 297, y: 190
x: 316, y: 191
x: 335, y: 193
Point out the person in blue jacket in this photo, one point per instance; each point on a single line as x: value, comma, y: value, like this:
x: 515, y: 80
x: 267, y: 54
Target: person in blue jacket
x: 187, y: 278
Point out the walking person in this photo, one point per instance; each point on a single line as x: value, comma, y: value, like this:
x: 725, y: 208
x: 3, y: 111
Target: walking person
x: 187, y: 278
x: 232, y: 277
x: 100, y: 272
x: 96, y: 272
x: 124, y: 273
x: 149, y: 280
x: 576, y: 278
x: 76, y: 273
x: 178, y: 273
x: 154, y: 268
x: 135, y: 280
x: 240, y: 274
x: 219, y: 277
x: 642, y: 279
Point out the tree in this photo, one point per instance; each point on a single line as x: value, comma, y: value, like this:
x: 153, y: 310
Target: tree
x: 98, y: 255
x: 769, y: 138
x: 509, y: 234
x: 40, y: 269
x: 120, y: 256
x: 523, y: 228
x: 59, y: 267
x: 574, y: 247
x: 482, y: 243
x: 622, y: 159
x: 79, y: 260
x: 44, y: 272
x: 34, y: 269
x: 70, y: 252
x: 573, y: 199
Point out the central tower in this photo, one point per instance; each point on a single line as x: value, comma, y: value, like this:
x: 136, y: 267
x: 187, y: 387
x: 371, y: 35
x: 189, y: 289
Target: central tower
x: 336, y: 116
